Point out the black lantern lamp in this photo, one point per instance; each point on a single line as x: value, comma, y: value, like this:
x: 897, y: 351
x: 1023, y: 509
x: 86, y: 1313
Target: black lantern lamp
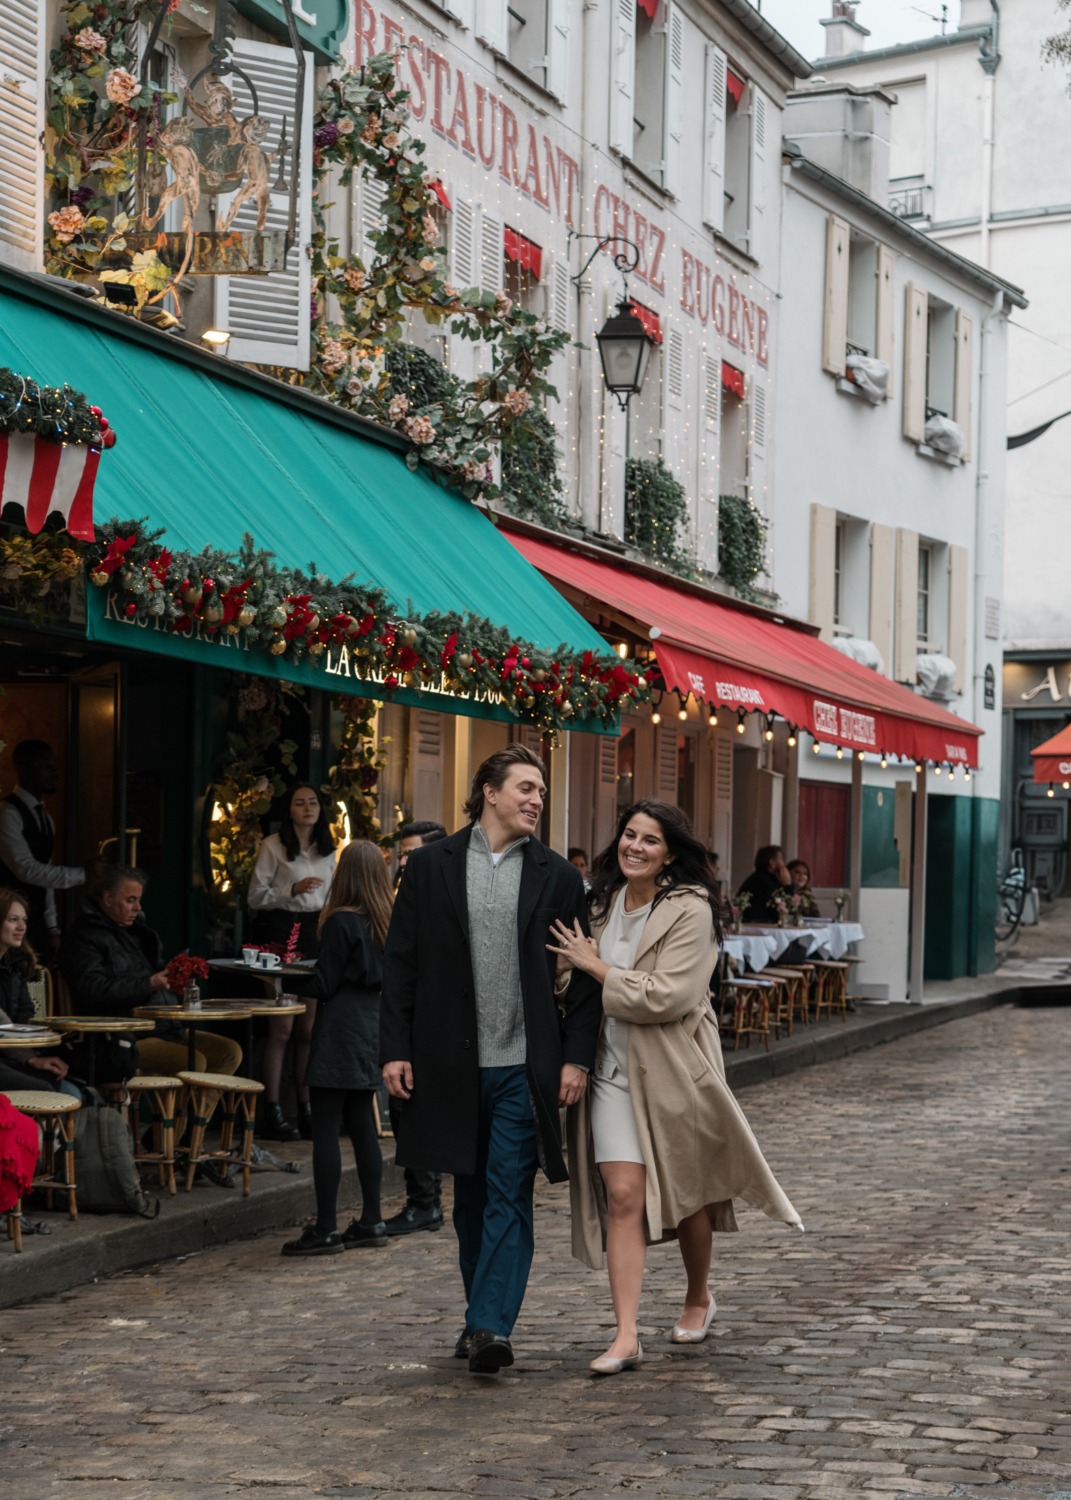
x: 624, y: 348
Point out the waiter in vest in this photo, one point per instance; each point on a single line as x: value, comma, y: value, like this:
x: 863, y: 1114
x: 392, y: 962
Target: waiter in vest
x: 27, y: 837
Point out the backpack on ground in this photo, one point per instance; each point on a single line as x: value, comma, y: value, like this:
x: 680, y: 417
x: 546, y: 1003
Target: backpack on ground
x: 104, y: 1170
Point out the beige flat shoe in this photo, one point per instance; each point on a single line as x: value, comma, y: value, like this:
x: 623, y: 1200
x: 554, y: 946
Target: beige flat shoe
x: 604, y: 1365
x: 695, y: 1335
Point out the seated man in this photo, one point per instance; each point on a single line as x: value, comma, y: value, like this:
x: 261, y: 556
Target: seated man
x: 113, y: 963
x: 769, y: 876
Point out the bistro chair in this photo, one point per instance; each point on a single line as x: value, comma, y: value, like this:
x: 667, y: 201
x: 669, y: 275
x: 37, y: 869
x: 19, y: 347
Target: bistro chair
x: 792, y: 981
x: 206, y: 1090
x: 161, y: 1095
x: 54, y: 1114
x: 778, y: 997
x: 832, y: 983
x: 748, y: 1003
x: 40, y: 988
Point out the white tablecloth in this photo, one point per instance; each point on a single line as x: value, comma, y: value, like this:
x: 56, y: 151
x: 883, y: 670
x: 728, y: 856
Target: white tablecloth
x: 765, y: 945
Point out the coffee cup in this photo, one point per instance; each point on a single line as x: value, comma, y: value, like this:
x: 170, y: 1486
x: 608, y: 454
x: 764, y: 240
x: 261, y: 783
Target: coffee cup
x: 268, y: 960
x: 249, y: 955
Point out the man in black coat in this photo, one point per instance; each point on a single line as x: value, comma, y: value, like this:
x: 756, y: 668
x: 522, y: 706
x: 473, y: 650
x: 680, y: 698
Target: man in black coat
x: 472, y: 1039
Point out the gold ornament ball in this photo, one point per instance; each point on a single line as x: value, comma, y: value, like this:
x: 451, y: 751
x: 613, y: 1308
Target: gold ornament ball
x: 409, y: 636
x: 464, y: 660
x: 213, y: 614
x: 98, y: 578
x: 246, y: 616
x: 278, y: 615
x: 567, y: 709
x: 232, y: 627
x: 539, y: 674
x: 278, y: 647
x: 193, y: 595
x: 315, y: 647
x: 314, y: 623
x: 126, y: 577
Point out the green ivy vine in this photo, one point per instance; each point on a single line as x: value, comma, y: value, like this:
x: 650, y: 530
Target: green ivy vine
x: 741, y: 545
x: 656, y: 513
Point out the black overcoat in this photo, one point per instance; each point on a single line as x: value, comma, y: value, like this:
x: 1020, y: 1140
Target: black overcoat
x: 428, y: 1012
x: 345, y: 1033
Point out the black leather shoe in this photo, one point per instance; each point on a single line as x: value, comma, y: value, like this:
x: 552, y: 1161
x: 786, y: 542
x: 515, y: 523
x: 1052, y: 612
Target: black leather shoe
x: 464, y: 1344
x: 413, y: 1218
x: 304, y: 1119
x: 489, y: 1352
x: 274, y: 1126
x: 314, y: 1242
x: 365, y: 1236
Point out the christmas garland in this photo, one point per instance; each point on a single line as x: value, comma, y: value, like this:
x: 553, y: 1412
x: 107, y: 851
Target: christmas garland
x: 59, y: 413
x: 299, y: 616
x: 36, y: 573
x: 351, y: 782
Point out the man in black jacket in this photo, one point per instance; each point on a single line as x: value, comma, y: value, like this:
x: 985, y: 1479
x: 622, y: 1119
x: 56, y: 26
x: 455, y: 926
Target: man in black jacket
x: 113, y: 962
x: 472, y: 1039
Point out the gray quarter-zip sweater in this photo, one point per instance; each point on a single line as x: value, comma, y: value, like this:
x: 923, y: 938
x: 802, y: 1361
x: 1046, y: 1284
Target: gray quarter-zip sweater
x: 493, y: 889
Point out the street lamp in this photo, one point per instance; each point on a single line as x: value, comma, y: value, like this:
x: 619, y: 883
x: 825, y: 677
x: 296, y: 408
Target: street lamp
x: 624, y: 348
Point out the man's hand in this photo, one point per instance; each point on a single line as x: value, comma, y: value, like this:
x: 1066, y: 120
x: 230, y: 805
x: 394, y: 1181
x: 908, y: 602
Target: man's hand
x: 573, y: 1083
x: 398, y: 1076
x: 159, y: 981
x: 48, y: 1065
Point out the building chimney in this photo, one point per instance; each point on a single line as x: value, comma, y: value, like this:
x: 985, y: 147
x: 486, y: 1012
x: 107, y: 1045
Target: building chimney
x: 843, y: 32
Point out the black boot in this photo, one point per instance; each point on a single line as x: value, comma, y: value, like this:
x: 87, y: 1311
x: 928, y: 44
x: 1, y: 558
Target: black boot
x: 274, y: 1126
x: 304, y: 1119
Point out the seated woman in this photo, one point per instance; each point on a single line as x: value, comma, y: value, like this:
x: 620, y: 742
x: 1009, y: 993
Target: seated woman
x: 801, y: 887
x: 18, y: 963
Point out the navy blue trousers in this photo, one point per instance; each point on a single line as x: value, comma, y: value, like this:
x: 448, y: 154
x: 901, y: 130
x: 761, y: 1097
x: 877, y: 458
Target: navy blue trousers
x: 493, y: 1208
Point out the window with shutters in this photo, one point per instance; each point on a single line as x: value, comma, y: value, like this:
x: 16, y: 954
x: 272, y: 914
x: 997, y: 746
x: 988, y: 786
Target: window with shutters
x: 648, y: 151
x: 862, y: 294
x: 923, y: 607
x: 21, y: 119
x: 940, y: 357
x: 931, y: 610
x: 523, y: 268
x: 268, y: 316
x: 737, y: 210
x: 734, y: 443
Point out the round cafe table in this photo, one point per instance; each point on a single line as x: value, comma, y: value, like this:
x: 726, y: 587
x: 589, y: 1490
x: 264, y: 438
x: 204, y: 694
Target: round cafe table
x: 39, y: 1039
x: 284, y: 971
x: 189, y: 1019
x: 251, y: 1008
x: 94, y: 1026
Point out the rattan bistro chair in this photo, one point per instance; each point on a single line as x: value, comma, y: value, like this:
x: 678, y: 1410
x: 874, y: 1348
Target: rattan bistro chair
x: 748, y: 1004
x: 55, y: 1114
x: 161, y: 1094
x: 832, y: 983
x: 206, y: 1090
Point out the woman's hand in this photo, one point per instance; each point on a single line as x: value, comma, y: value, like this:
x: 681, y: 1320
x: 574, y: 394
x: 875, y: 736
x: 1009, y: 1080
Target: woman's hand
x: 310, y: 883
x: 574, y: 949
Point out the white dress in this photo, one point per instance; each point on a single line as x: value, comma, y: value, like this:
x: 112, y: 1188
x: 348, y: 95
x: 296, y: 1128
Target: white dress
x: 613, y: 1125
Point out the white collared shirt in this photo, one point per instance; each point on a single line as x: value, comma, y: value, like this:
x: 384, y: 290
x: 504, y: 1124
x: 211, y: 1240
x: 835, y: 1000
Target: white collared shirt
x: 274, y: 877
x: 15, y: 852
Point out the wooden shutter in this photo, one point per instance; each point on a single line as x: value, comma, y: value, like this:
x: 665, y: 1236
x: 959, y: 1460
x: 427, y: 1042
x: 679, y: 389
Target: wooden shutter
x: 622, y: 74
x: 823, y: 563
x: 605, y: 793
x: 884, y: 321
x: 957, y: 613
x: 666, y: 763
x: 674, y: 436
x: 463, y: 244
x: 369, y: 221
x: 558, y: 48
x: 492, y: 249
x: 756, y: 223
x: 21, y: 120
x: 492, y: 25
x: 964, y: 376
x: 916, y: 310
x: 882, y: 577
x: 723, y: 803
x: 714, y: 140
x: 560, y: 296
x: 709, y: 457
x: 426, y: 733
x: 906, y: 619
x: 835, y: 325
x: 756, y: 460
x: 673, y: 124
x: 268, y: 316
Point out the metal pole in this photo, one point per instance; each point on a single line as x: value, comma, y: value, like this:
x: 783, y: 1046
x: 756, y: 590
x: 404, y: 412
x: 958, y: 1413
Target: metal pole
x: 855, y: 850
x: 918, y: 890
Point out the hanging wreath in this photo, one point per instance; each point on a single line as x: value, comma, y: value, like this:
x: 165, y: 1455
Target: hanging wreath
x: 299, y: 616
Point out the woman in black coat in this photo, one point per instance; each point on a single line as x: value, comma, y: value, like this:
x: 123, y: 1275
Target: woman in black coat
x: 343, y: 1070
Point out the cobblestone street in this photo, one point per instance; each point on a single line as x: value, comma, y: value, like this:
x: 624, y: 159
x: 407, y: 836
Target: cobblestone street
x: 914, y: 1342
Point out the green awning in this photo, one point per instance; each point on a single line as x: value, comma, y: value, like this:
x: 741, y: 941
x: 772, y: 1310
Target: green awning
x: 208, y: 450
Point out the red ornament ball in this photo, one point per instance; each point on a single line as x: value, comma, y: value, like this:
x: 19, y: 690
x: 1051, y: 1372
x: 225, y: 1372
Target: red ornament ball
x: 131, y: 609
x: 95, y: 410
x: 525, y: 662
x: 104, y: 423
x: 108, y: 438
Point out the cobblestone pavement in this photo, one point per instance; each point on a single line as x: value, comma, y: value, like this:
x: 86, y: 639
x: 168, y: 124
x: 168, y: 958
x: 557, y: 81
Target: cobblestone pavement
x: 913, y: 1343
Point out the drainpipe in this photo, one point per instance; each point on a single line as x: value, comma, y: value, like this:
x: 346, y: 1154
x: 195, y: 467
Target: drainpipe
x: 589, y: 407
x: 990, y: 60
x: 981, y: 500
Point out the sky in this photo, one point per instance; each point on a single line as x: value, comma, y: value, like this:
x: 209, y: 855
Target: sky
x: 888, y: 21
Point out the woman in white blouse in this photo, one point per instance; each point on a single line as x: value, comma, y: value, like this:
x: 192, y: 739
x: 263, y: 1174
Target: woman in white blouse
x: 291, y: 879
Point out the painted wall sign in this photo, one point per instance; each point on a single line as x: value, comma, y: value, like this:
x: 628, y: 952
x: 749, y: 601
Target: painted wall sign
x: 989, y: 687
x: 711, y: 299
x: 614, y: 216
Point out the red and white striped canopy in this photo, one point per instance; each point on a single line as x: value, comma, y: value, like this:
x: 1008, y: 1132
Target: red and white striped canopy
x: 44, y: 477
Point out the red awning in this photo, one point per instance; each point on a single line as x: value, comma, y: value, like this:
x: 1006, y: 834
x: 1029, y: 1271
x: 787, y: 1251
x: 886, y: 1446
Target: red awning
x: 727, y: 656
x: 732, y: 379
x: 1052, y: 760
x: 650, y: 8
x: 735, y: 84
x: 650, y: 320
x: 440, y: 193
x: 524, y: 252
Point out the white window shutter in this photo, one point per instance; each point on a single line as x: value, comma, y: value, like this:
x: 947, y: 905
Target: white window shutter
x: 492, y: 247
x: 368, y: 220
x: 463, y: 223
x: 709, y: 458
x: 268, y: 316
x: 958, y: 559
x: 22, y: 50
x: 756, y: 221
x: 673, y: 130
x: 622, y: 75
x: 835, y: 317
x: 906, y: 612
x: 714, y: 141
x: 916, y: 315
x: 558, y: 48
x: 756, y: 459
x: 463, y: 12
x: 561, y: 296
x: 492, y: 25
x: 822, y: 581
x: 884, y: 322
x: 964, y: 376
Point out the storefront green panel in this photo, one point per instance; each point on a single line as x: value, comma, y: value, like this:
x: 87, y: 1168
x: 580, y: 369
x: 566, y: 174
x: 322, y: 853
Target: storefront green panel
x: 986, y: 827
x: 881, y: 859
x: 949, y: 883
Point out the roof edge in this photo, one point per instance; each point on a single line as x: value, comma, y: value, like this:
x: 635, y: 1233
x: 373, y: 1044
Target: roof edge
x: 905, y: 49
x: 772, y: 40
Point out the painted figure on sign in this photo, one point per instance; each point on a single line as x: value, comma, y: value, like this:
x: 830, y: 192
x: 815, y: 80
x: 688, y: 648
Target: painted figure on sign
x: 175, y: 144
x: 254, y: 162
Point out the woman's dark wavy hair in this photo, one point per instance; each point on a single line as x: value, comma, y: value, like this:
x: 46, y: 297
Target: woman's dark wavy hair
x: 690, y: 863
x: 322, y: 840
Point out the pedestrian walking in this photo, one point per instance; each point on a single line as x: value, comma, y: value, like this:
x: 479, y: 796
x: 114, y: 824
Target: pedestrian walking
x: 343, y: 1068
x: 289, y: 886
x: 472, y: 1040
x: 658, y: 1147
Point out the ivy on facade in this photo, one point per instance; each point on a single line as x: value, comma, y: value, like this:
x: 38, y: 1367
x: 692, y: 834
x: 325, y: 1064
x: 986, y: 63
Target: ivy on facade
x: 741, y: 544
x: 656, y: 512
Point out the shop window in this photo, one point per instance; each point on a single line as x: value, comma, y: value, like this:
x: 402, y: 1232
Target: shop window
x: 823, y: 831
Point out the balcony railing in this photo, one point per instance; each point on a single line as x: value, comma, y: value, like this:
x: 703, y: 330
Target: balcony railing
x: 909, y: 202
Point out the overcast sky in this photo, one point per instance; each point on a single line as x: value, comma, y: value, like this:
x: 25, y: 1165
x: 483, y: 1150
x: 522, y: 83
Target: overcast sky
x: 888, y: 21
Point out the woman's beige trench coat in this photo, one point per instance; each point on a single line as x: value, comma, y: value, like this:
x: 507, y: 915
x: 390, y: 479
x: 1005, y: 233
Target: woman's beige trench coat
x: 697, y: 1145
